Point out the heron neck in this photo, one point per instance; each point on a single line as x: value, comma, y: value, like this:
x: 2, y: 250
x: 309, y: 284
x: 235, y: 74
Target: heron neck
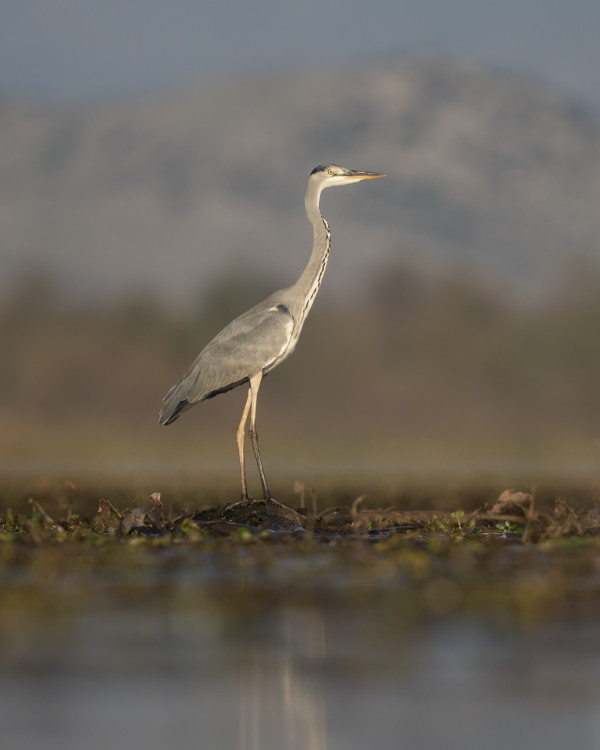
x: 310, y: 280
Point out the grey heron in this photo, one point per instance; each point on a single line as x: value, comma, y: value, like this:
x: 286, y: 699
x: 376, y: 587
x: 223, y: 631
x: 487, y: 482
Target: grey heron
x: 258, y: 340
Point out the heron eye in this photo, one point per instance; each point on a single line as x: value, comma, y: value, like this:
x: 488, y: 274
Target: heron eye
x: 330, y: 171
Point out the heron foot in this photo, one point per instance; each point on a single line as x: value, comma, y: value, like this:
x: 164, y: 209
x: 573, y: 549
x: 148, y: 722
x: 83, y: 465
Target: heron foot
x: 265, y: 514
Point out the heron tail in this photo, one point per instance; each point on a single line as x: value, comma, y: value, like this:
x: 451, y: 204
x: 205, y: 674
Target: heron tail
x: 165, y: 417
x: 172, y: 406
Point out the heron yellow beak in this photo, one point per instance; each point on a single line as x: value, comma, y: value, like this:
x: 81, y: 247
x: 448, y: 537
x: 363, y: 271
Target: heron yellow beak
x: 355, y: 175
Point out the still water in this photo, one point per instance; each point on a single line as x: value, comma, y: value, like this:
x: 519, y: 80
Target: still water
x: 290, y: 672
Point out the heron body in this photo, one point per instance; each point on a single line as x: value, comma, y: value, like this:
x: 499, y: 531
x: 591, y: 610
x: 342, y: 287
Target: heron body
x: 258, y: 340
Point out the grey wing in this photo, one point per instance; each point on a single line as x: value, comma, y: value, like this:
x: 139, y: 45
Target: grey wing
x: 254, y: 341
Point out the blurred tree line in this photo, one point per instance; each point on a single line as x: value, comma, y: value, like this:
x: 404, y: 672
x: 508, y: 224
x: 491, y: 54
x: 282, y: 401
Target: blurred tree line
x: 446, y: 357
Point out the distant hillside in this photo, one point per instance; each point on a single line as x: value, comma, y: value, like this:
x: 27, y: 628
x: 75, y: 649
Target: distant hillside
x: 486, y: 172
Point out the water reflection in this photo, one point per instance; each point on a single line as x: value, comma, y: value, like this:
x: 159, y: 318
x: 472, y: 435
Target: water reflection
x: 282, y: 701
x: 290, y: 674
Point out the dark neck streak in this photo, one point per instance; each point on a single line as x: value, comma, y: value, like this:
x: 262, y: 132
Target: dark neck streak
x: 320, y: 271
x: 308, y: 284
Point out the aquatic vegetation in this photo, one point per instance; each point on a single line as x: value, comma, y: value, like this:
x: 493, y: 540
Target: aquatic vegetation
x: 510, y: 561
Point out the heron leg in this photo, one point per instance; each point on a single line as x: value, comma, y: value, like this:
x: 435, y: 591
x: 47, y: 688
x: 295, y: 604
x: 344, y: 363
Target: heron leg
x: 241, y: 432
x: 254, y: 386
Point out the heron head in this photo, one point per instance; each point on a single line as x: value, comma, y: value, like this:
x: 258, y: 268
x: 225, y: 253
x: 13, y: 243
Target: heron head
x: 328, y: 175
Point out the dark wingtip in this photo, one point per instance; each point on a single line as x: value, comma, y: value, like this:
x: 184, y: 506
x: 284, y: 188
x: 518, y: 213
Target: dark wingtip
x: 170, y: 418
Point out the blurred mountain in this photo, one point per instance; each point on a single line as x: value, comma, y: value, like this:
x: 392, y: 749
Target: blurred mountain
x: 489, y: 174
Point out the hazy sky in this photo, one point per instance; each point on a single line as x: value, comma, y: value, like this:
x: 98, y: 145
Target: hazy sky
x: 88, y: 48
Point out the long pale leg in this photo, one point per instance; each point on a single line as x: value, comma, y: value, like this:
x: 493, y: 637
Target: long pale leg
x: 241, y: 432
x: 254, y: 386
